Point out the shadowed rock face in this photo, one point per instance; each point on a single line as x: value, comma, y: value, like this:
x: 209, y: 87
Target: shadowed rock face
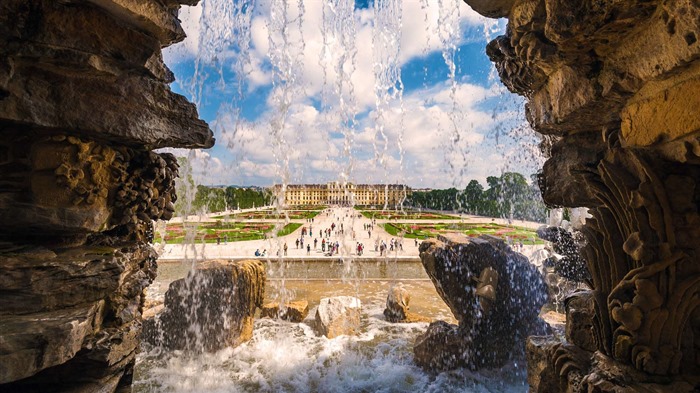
x: 84, y: 98
x: 612, y: 86
x: 494, y: 293
x: 210, y: 309
x: 95, y: 70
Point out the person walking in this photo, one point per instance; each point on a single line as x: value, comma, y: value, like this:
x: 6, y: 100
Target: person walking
x: 315, y: 243
x: 308, y: 249
x: 285, y: 249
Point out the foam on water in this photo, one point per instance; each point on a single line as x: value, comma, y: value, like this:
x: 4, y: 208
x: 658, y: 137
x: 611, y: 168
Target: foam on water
x: 289, y: 357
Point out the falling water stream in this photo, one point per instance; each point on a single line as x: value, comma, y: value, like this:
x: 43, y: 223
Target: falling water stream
x: 290, y: 357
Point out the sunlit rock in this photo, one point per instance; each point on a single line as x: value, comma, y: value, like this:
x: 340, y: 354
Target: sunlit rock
x: 339, y: 315
x: 397, y: 307
x: 210, y: 309
x: 494, y: 293
x: 294, y: 311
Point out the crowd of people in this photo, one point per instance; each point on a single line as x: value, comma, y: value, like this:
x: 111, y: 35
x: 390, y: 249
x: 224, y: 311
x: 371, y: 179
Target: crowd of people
x: 329, y: 240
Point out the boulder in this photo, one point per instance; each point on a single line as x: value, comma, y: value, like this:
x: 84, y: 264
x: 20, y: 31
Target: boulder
x: 396, y: 310
x: 397, y: 304
x: 494, y: 293
x: 210, y: 309
x: 294, y: 311
x: 338, y: 316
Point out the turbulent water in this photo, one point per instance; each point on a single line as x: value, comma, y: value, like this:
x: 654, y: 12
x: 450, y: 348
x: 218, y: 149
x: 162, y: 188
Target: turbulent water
x: 289, y: 357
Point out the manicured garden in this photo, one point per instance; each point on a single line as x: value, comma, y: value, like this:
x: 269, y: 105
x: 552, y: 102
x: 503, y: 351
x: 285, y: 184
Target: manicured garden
x: 269, y: 214
x: 424, y: 231
x: 405, y: 215
x: 223, y: 232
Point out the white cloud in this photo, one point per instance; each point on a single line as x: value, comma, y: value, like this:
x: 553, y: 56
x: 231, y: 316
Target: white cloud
x: 433, y: 137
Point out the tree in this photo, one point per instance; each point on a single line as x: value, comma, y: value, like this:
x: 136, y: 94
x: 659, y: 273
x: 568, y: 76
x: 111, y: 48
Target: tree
x: 473, y: 197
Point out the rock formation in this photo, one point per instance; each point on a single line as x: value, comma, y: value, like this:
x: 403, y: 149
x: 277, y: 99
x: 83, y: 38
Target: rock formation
x: 84, y: 98
x: 396, y: 310
x: 494, y: 293
x: 339, y: 315
x: 210, y: 309
x: 613, y: 88
x: 294, y: 311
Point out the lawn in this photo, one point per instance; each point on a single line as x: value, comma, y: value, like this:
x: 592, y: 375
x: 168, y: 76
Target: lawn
x: 405, y: 215
x: 224, y: 232
x: 424, y: 231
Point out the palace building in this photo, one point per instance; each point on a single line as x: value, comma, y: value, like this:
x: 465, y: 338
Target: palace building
x: 336, y: 193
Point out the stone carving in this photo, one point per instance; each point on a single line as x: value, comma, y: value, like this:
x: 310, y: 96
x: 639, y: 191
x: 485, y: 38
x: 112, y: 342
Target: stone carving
x: 84, y: 98
x: 613, y: 85
x: 579, y: 320
x: 210, y: 309
x: 494, y: 293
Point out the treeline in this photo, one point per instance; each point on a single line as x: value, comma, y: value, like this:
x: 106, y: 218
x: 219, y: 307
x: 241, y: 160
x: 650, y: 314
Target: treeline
x: 218, y: 199
x: 507, y: 196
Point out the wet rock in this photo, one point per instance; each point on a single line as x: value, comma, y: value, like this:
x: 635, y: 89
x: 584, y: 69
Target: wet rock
x: 294, y: 311
x: 210, y: 309
x: 397, y: 307
x: 397, y: 304
x: 571, y: 265
x: 442, y: 347
x: 339, y: 315
x: 494, y: 293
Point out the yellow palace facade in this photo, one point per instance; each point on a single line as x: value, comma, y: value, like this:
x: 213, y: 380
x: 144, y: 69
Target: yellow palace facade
x: 336, y: 193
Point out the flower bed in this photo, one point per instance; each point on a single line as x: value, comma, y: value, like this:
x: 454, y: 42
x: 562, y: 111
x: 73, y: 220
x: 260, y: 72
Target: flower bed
x: 405, y: 215
x: 424, y: 231
x: 222, y: 232
x: 271, y: 215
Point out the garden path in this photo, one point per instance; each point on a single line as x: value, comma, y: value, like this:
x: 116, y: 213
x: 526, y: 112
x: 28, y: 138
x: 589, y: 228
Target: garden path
x: 350, y: 218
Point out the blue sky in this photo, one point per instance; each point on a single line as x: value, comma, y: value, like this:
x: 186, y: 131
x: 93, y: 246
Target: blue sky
x: 334, y: 90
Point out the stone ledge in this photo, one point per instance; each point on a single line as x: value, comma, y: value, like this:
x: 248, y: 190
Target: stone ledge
x: 33, y: 342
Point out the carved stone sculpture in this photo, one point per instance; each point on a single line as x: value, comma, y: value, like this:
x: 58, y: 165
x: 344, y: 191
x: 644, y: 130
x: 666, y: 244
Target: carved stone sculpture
x: 494, y: 293
x: 613, y: 88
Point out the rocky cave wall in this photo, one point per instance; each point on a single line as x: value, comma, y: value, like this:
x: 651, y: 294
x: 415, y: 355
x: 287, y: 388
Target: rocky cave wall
x: 614, y: 88
x: 84, y: 99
